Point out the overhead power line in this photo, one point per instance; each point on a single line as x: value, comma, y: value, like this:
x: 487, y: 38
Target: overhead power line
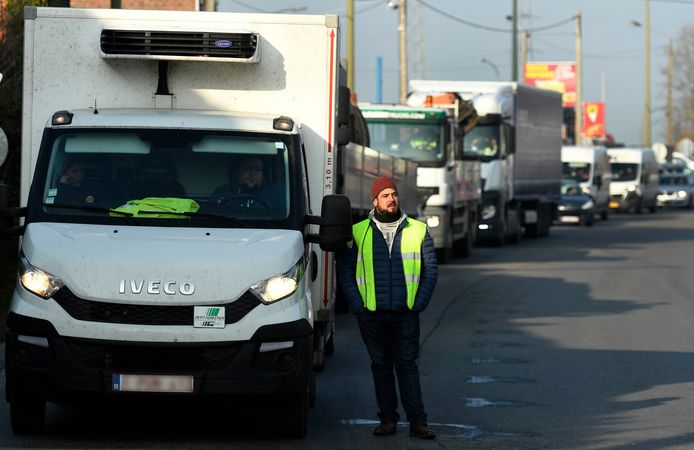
x: 488, y: 28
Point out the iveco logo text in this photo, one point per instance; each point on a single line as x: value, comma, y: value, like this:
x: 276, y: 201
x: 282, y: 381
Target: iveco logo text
x: 222, y: 43
x: 156, y: 287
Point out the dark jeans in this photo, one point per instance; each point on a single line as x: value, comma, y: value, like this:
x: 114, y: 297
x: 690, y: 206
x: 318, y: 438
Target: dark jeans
x: 392, y: 339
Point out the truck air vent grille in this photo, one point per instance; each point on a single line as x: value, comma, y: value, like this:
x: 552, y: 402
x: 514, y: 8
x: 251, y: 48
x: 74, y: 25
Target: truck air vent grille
x: 138, y: 356
x: 91, y: 311
x: 180, y: 45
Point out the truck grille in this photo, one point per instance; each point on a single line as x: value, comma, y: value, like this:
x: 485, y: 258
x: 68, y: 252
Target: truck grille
x: 92, y: 311
x: 179, y: 45
x: 153, y: 358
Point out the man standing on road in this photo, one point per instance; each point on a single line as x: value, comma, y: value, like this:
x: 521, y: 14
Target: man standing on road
x: 388, y: 277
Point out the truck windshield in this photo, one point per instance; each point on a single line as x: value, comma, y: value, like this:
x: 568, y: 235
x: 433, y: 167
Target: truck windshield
x: 576, y: 171
x: 177, y: 175
x: 482, y: 142
x: 624, y: 171
x: 416, y: 141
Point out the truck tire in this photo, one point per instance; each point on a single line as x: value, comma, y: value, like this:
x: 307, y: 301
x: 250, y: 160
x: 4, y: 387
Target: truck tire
x: 604, y: 215
x: 463, y: 247
x: 517, y: 229
x: 443, y: 255
x: 27, y: 414
x: 292, y: 417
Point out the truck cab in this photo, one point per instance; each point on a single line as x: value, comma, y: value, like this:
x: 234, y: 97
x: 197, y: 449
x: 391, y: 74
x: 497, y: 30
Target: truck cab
x: 448, y: 187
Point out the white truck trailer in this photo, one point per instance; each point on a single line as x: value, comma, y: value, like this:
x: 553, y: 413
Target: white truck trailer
x: 149, y: 262
x: 449, y: 188
x: 518, y: 141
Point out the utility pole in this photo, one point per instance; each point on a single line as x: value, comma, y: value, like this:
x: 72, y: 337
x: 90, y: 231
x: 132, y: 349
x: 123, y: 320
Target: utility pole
x: 670, y: 67
x: 209, y: 5
x: 402, y: 29
x: 524, y: 52
x: 647, y: 76
x: 350, y: 45
x: 514, y: 43
x: 579, y: 81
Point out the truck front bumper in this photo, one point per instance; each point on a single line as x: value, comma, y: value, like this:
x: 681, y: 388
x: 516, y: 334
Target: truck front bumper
x: 67, y: 370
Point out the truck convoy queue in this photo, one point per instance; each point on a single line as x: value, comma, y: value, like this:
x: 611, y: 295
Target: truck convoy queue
x: 134, y: 211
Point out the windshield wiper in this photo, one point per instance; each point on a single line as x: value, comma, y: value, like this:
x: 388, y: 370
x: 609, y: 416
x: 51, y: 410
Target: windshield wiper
x: 124, y: 214
x: 230, y: 220
x: 87, y: 208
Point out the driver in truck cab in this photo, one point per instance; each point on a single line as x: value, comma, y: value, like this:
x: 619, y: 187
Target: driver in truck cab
x: 248, y: 186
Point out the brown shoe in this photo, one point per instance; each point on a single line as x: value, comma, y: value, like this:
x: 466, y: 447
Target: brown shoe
x: 386, y: 429
x: 421, y: 432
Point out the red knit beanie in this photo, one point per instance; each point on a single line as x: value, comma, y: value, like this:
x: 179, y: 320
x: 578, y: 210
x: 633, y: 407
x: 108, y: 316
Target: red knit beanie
x: 380, y: 184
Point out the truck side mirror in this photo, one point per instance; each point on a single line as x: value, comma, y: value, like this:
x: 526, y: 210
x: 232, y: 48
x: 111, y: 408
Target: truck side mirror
x: 335, y: 224
x: 343, y: 129
x: 8, y: 214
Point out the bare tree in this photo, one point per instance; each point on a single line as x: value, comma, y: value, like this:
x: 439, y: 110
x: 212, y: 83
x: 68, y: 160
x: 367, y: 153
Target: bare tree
x: 683, y: 84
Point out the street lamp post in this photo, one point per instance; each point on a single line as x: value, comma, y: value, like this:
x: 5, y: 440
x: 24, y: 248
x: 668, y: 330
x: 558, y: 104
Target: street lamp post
x: 647, y: 88
x: 493, y: 66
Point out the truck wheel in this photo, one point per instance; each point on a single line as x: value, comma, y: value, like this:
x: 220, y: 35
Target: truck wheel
x: 604, y: 215
x: 292, y: 417
x: 312, y: 390
x: 638, y: 209
x: 330, y: 345
x: 463, y: 247
x: 27, y: 414
x: 443, y: 255
x: 653, y: 208
x: 516, y: 234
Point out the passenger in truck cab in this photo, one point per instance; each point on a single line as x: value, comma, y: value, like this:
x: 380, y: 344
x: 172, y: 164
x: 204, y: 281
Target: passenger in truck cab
x: 248, y: 186
x: 424, y: 139
x: 71, y: 189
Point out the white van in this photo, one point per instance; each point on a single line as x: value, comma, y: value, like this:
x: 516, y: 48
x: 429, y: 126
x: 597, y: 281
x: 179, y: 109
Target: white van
x: 590, y: 166
x: 634, y: 183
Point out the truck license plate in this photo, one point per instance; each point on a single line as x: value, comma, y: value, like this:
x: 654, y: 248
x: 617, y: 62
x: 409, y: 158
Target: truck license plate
x: 181, y: 384
x: 614, y: 204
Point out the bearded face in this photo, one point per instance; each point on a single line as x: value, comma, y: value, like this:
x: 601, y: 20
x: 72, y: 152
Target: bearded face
x: 387, y: 202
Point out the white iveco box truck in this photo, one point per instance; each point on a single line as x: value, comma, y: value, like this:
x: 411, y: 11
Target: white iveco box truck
x: 176, y: 178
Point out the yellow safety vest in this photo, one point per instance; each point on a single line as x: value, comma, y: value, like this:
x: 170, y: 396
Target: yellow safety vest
x: 157, y: 207
x: 410, y: 248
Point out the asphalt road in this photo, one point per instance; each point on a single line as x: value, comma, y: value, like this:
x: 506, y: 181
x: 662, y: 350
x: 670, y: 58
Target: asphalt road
x: 580, y: 340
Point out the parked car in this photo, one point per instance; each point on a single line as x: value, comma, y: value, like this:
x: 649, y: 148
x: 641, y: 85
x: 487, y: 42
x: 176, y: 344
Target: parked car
x: 575, y: 206
x: 676, y: 190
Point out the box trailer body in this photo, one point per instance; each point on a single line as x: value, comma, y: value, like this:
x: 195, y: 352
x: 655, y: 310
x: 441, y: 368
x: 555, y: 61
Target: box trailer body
x: 518, y: 141
x: 449, y: 187
x: 590, y: 167
x: 173, y: 250
x: 635, y: 181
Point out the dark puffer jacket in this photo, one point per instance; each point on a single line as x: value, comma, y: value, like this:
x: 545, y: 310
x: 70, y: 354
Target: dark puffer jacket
x: 391, y: 292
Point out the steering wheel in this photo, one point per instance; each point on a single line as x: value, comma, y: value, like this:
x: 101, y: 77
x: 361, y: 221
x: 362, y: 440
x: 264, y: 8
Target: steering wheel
x: 249, y: 197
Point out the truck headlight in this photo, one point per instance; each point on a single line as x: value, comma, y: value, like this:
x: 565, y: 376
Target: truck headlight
x: 682, y: 194
x: 36, y: 280
x: 488, y: 212
x: 587, y: 205
x: 631, y: 188
x: 280, y: 286
x: 433, y: 221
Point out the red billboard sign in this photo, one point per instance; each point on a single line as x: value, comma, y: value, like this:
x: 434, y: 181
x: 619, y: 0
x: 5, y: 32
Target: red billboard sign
x: 593, y: 120
x: 555, y: 76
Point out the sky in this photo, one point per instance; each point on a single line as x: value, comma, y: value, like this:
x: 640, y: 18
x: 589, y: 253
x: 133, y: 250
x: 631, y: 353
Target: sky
x: 442, y: 48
